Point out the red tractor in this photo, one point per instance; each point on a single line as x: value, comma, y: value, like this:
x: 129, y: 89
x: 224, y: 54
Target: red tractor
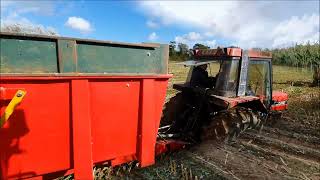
x: 237, y: 98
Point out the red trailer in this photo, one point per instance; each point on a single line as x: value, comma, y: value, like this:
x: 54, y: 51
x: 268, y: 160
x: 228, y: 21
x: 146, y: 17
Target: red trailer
x: 77, y: 103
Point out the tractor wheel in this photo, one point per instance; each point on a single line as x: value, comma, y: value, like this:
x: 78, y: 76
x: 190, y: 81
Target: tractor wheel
x: 173, y: 111
x: 227, y: 125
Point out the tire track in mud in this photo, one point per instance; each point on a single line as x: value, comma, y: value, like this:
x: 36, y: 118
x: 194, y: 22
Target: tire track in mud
x: 270, y: 154
x: 236, y: 163
x: 287, y: 136
x: 282, y: 146
x: 296, y: 128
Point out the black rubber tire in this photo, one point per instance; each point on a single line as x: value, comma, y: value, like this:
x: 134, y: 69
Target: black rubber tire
x: 173, y: 109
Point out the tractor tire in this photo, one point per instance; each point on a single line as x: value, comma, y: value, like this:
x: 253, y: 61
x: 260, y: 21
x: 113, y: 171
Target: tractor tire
x: 229, y: 124
x: 172, y: 112
x: 170, y: 109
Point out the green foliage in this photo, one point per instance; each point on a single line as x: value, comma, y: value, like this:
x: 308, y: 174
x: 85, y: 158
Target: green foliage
x: 200, y: 46
x: 299, y: 55
x: 181, y: 52
x: 183, y: 49
x: 172, y: 47
x: 179, y: 57
x: 178, y: 52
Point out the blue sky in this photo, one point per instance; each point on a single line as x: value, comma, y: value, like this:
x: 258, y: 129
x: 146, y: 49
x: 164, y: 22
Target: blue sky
x: 242, y: 23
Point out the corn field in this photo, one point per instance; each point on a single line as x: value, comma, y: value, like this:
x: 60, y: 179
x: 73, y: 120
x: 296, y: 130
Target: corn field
x: 307, y: 56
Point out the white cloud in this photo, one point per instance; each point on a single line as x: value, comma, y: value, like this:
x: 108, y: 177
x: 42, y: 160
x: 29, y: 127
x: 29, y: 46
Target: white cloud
x: 47, y: 8
x: 19, y: 24
x: 153, y: 36
x: 301, y: 30
x: 152, y: 24
x: 247, y: 23
x: 188, y: 38
x: 212, y: 43
x: 79, y: 24
x: 13, y: 16
x: 5, y: 4
x: 193, y: 37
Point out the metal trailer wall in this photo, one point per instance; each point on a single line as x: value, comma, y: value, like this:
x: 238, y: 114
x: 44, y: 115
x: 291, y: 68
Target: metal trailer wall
x: 86, y: 103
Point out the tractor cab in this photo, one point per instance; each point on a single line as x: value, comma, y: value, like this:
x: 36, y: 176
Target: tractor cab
x: 241, y: 75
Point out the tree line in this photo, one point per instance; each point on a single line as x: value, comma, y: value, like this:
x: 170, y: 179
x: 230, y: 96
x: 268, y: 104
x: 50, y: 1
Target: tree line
x: 181, y: 51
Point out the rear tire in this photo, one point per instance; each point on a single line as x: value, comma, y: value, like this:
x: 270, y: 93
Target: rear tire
x: 184, y: 115
x: 173, y: 110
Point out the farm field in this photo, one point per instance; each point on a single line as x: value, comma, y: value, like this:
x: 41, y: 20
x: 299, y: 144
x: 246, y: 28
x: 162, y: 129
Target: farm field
x: 287, y: 148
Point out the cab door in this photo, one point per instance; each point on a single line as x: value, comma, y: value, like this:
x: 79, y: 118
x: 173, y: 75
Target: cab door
x: 259, y: 80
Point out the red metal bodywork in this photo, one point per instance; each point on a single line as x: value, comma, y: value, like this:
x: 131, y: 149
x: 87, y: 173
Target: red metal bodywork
x: 229, y: 102
x: 230, y: 52
x: 280, y: 101
x: 169, y: 145
x: 279, y: 96
x: 68, y: 124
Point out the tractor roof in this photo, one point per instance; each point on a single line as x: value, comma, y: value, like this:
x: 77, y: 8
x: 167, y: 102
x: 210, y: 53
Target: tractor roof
x: 228, y: 52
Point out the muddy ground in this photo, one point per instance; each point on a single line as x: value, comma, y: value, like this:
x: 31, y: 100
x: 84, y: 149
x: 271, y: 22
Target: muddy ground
x: 273, y: 153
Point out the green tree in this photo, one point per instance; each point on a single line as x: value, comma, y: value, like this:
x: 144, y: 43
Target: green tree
x: 183, y: 49
x: 200, y: 46
x: 172, y: 48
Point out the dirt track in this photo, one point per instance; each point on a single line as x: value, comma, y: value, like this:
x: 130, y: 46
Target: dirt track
x: 270, y: 154
x: 275, y: 152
